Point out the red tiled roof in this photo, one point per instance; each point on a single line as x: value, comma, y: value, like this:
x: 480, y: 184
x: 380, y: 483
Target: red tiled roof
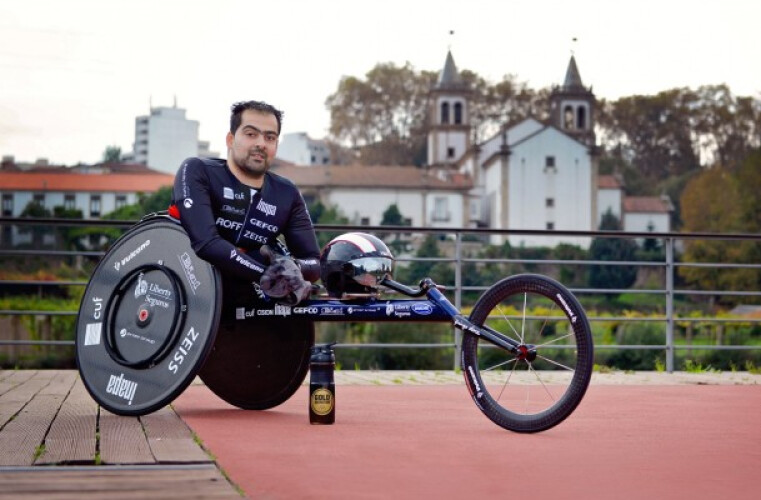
x: 609, y: 182
x: 46, y: 181
x: 372, y: 177
x: 647, y: 204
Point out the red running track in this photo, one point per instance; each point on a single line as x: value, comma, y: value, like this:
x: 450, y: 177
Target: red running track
x: 412, y: 442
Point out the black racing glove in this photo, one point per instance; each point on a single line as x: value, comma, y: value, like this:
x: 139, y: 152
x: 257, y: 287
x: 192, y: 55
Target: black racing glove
x: 282, y: 280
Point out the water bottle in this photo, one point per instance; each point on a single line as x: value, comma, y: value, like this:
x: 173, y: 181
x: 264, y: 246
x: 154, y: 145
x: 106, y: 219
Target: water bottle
x: 322, y: 388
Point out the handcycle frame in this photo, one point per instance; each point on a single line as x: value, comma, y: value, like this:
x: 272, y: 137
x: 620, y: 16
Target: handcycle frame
x: 435, y: 308
x: 191, y: 322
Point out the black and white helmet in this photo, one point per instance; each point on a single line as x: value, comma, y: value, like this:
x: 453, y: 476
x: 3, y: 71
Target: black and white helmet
x: 355, y: 263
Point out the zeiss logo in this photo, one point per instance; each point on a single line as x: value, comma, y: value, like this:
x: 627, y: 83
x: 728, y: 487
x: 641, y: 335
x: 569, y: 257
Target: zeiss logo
x: 267, y: 208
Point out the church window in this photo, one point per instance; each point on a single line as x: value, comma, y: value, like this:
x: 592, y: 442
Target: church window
x: 458, y: 113
x: 550, y: 226
x: 444, y: 112
x: 450, y: 152
x: 549, y: 161
x: 581, y: 118
x: 549, y: 202
x: 568, y: 118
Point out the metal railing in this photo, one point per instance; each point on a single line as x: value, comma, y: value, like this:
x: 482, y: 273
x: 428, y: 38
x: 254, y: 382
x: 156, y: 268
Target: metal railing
x: 458, y: 258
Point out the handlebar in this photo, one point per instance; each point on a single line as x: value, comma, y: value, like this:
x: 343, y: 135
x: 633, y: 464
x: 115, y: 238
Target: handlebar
x: 424, y: 285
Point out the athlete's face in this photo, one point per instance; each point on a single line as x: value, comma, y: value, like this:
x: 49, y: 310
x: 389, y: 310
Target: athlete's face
x: 254, y: 144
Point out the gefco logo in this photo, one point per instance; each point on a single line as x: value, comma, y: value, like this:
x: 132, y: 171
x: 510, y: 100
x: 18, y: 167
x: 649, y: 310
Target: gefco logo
x: 121, y: 387
x: 134, y: 253
x: 267, y: 208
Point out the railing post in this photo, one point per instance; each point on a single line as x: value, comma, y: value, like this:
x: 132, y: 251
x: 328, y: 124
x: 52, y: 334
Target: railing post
x: 669, y: 305
x: 457, y: 295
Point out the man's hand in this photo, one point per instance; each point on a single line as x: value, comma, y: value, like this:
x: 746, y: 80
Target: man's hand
x: 282, y: 280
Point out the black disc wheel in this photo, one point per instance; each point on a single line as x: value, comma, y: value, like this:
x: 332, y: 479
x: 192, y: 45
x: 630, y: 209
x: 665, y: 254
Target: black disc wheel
x: 538, y: 384
x: 261, y: 352
x: 147, y: 319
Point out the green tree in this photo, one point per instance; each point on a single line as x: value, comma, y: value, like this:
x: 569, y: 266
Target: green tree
x: 35, y: 209
x: 393, y: 217
x: 329, y: 215
x: 112, y: 154
x: 384, y: 115
x: 441, y: 272
x: 612, y: 249
x: 722, y: 201
x: 726, y: 125
x: 655, y: 132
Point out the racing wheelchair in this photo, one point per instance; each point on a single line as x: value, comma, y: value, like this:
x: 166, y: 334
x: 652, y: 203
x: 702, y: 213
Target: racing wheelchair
x: 154, y: 316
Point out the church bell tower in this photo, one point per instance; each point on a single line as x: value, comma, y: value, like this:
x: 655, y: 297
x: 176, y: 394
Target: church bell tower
x: 572, y: 106
x: 449, y: 132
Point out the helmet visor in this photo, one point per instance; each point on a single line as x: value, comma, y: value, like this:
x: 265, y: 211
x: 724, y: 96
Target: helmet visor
x: 370, y: 271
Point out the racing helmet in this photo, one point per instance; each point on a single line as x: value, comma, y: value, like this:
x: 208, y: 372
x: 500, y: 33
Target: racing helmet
x: 355, y: 263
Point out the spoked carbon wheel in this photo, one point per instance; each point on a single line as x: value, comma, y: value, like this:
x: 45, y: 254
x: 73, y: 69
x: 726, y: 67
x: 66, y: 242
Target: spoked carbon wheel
x: 541, y: 383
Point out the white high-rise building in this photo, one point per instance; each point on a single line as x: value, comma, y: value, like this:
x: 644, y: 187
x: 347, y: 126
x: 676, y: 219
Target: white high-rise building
x: 300, y: 149
x: 165, y: 138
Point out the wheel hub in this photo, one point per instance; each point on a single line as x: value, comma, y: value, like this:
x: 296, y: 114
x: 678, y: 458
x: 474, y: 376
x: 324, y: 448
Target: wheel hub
x: 526, y: 352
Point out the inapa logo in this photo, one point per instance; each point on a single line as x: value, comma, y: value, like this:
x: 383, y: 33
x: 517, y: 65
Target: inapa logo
x: 267, y: 208
x: 121, y: 387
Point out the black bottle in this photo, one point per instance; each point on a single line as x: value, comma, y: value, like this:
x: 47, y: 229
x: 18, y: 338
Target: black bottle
x: 322, y: 388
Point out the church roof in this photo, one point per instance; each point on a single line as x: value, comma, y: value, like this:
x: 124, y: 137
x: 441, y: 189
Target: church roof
x: 369, y: 177
x: 647, y: 204
x: 609, y: 182
x: 572, y: 76
x: 449, y: 78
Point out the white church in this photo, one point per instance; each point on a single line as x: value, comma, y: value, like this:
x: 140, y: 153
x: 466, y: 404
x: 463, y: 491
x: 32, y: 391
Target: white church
x: 536, y: 175
x: 532, y: 175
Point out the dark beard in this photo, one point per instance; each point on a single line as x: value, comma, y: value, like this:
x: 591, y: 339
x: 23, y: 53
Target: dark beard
x: 254, y: 168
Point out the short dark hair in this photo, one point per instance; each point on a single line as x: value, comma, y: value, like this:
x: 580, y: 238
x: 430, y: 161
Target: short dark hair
x: 239, y: 107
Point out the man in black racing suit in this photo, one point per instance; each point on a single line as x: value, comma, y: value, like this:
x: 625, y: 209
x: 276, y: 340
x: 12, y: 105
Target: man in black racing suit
x: 234, y: 210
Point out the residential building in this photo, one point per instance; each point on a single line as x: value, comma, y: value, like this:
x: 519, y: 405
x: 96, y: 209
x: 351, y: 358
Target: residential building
x: 164, y: 138
x: 94, y: 193
x: 425, y: 197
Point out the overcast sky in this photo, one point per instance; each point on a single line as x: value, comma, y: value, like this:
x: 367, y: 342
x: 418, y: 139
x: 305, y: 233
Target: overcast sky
x: 74, y: 74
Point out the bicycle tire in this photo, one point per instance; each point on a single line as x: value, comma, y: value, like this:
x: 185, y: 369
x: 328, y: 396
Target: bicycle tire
x: 543, y: 384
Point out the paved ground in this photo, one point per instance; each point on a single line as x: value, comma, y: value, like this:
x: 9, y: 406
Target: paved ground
x: 418, y: 435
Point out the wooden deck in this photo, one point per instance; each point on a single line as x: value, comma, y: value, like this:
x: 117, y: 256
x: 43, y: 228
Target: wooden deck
x: 56, y: 442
